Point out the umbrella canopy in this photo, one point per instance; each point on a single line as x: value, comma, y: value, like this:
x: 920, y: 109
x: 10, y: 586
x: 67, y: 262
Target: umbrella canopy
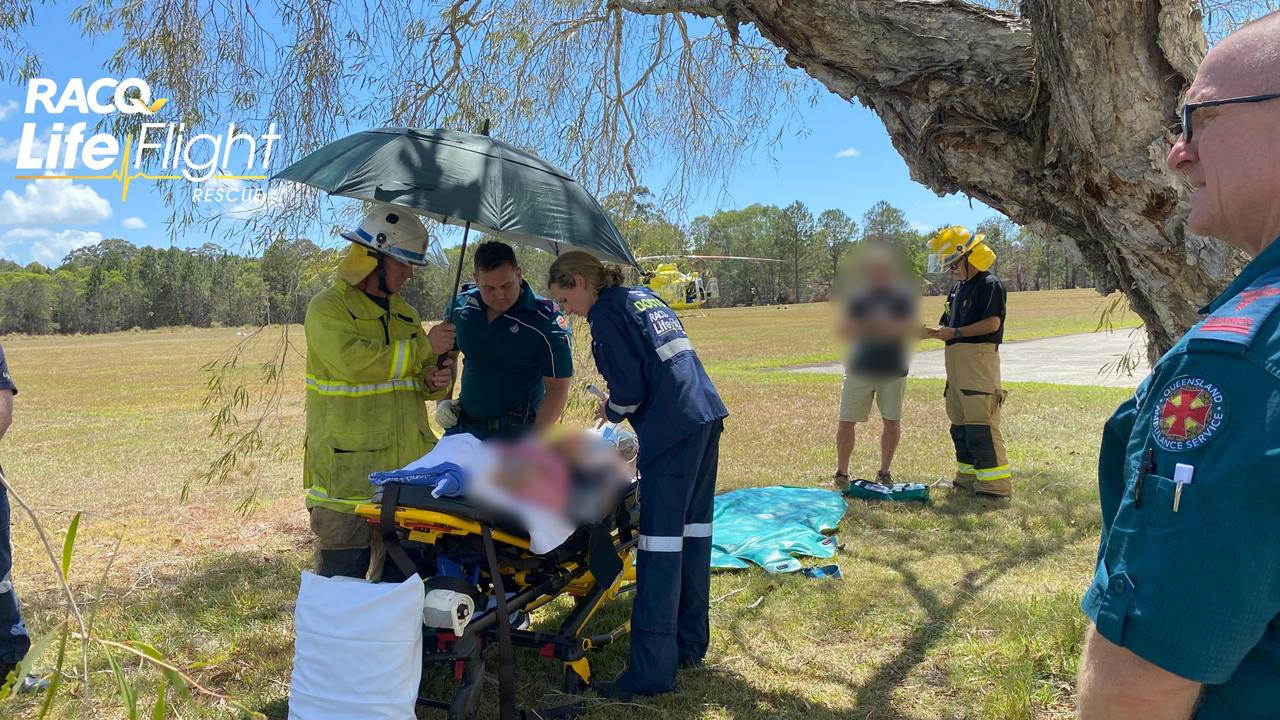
x: 468, y: 180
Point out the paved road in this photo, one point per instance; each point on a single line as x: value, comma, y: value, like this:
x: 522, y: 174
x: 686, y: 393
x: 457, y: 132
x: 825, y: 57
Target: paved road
x: 1066, y: 360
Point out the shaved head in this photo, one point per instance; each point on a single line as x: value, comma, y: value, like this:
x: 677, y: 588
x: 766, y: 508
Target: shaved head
x: 1232, y: 161
x: 1246, y: 62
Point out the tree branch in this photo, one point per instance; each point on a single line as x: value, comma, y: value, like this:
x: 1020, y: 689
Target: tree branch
x: 705, y: 8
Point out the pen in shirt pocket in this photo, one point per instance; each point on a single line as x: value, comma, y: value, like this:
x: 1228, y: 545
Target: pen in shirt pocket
x: 1148, y: 465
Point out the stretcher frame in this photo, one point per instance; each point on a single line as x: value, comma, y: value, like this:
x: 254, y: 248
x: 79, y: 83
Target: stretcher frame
x: 430, y: 525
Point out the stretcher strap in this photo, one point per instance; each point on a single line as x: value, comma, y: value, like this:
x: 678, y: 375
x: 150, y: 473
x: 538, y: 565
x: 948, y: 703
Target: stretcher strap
x: 390, y: 536
x: 602, y: 555
x: 507, y: 709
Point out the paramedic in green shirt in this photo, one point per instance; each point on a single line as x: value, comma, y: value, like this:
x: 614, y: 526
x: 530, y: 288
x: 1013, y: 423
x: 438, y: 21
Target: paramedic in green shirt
x: 1185, y: 598
x: 517, y: 360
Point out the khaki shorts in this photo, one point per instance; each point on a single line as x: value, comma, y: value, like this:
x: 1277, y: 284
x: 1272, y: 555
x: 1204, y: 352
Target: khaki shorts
x: 857, y: 392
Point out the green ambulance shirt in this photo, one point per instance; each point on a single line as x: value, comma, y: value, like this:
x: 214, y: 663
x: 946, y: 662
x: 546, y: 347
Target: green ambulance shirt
x: 504, y: 361
x: 1197, y: 591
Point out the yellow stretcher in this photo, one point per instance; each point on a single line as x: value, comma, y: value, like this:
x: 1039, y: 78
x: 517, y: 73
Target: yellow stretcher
x: 593, y: 566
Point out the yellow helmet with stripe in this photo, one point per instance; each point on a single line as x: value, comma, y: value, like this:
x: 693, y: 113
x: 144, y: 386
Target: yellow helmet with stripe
x: 955, y: 243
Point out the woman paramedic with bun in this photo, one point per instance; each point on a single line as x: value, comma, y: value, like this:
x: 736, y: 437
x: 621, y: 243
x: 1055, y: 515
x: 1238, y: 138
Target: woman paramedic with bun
x: 657, y: 383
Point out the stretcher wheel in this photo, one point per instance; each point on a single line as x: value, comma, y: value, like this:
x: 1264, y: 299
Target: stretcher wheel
x: 574, y: 684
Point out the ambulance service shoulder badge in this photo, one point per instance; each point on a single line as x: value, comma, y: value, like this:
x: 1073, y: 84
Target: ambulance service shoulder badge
x: 1189, y: 412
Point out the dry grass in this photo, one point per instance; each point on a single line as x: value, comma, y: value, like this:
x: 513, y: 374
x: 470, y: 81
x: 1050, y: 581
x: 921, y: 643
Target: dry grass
x: 962, y: 609
x: 790, y: 334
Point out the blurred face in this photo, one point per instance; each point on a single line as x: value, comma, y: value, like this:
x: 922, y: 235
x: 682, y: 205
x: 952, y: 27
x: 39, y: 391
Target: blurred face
x: 879, y: 272
x: 398, y: 273
x: 959, y: 271
x: 500, y: 287
x: 576, y: 299
x: 1232, y: 162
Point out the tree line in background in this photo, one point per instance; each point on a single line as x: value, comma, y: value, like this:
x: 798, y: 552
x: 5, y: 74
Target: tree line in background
x: 813, y: 249
x: 116, y: 285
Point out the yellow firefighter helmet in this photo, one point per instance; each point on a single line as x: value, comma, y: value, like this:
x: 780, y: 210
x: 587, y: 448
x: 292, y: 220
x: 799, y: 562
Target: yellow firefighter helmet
x: 955, y: 243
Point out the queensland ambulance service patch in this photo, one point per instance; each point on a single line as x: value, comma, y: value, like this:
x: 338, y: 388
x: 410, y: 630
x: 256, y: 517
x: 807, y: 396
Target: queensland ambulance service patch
x: 1189, y: 412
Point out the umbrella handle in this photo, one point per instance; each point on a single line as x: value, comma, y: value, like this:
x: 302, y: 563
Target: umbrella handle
x: 448, y: 316
x: 457, y: 277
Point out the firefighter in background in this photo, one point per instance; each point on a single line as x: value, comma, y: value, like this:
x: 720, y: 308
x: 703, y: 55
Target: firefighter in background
x: 972, y: 326
x: 370, y: 368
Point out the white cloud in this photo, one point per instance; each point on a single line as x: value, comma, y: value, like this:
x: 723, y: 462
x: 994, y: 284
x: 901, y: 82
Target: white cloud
x: 53, y: 202
x: 9, y: 148
x: 134, y: 223
x: 15, y: 236
x: 921, y: 227
x: 7, y: 242
x: 244, y: 200
x: 47, y: 247
x: 849, y: 153
x: 7, y: 108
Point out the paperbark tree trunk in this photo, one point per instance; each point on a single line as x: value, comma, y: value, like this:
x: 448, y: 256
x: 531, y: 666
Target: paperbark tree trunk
x: 1060, y: 119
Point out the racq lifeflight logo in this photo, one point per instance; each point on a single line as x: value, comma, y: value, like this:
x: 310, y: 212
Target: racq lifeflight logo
x: 71, y: 154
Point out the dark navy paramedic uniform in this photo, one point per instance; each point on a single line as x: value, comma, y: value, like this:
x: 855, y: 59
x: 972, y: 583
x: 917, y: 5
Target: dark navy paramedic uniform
x: 657, y: 383
x: 14, y: 641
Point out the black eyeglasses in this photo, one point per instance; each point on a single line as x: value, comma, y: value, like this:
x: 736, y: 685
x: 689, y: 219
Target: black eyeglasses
x: 1192, y: 107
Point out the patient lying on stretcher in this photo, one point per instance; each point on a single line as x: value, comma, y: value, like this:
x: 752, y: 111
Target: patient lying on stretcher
x: 577, y: 474
x: 553, y: 486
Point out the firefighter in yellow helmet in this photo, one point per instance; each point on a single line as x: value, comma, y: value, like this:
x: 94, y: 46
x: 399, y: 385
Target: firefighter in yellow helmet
x: 972, y: 326
x: 370, y: 368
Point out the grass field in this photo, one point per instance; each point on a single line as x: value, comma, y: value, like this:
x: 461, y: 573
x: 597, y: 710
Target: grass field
x: 962, y: 609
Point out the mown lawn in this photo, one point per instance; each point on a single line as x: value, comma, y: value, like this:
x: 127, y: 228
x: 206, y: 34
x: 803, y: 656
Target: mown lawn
x: 961, y: 609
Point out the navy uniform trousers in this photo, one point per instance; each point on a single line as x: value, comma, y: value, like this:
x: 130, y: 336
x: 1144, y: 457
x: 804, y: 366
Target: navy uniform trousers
x: 669, y: 623
x: 14, y: 641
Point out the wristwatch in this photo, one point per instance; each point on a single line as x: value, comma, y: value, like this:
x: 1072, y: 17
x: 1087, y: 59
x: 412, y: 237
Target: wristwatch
x: 958, y: 334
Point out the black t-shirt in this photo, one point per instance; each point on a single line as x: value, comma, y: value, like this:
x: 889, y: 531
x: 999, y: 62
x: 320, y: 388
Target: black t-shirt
x: 881, y: 356
x: 978, y: 298
x: 6, y: 381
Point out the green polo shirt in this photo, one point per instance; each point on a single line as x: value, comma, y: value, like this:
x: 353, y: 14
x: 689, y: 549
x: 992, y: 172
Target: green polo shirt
x: 1196, y: 591
x: 504, y: 361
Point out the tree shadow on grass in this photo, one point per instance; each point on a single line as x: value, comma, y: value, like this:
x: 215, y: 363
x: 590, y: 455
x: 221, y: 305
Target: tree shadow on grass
x: 877, y: 692
x: 874, y: 696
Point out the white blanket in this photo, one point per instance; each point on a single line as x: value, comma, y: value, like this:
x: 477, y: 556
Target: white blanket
x: 547, y: 529
x: 463, y: 450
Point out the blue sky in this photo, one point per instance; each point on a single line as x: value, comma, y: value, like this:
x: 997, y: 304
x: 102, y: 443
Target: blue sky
x: 842, y: 159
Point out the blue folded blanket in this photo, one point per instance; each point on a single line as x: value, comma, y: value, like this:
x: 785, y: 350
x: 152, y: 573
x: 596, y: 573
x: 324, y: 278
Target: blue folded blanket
x: 447, y: 479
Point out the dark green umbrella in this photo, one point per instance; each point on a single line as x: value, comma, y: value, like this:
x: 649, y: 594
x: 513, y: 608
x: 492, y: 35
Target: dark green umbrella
x: 469, y: 180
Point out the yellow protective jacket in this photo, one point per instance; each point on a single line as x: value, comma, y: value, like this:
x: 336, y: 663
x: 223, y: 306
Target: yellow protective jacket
x: 365, y: 394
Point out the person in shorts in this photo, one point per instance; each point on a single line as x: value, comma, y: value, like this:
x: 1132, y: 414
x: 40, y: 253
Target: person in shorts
x: 879, y: 319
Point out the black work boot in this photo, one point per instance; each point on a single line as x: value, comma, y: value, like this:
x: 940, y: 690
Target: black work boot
x: 613, y: 690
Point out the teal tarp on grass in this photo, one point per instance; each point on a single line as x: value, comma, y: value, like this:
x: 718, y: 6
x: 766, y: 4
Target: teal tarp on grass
x: 769, y: 525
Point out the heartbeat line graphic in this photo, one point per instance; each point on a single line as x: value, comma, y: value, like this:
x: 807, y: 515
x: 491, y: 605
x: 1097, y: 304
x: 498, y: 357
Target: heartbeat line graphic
x: 124, y: 177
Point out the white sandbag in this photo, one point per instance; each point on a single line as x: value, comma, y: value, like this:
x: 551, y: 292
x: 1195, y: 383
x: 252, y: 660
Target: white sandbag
x: 358, y: 652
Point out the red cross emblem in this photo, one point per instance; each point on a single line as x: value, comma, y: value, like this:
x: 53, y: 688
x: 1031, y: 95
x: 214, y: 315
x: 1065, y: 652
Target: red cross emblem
x: 1185, y: 413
